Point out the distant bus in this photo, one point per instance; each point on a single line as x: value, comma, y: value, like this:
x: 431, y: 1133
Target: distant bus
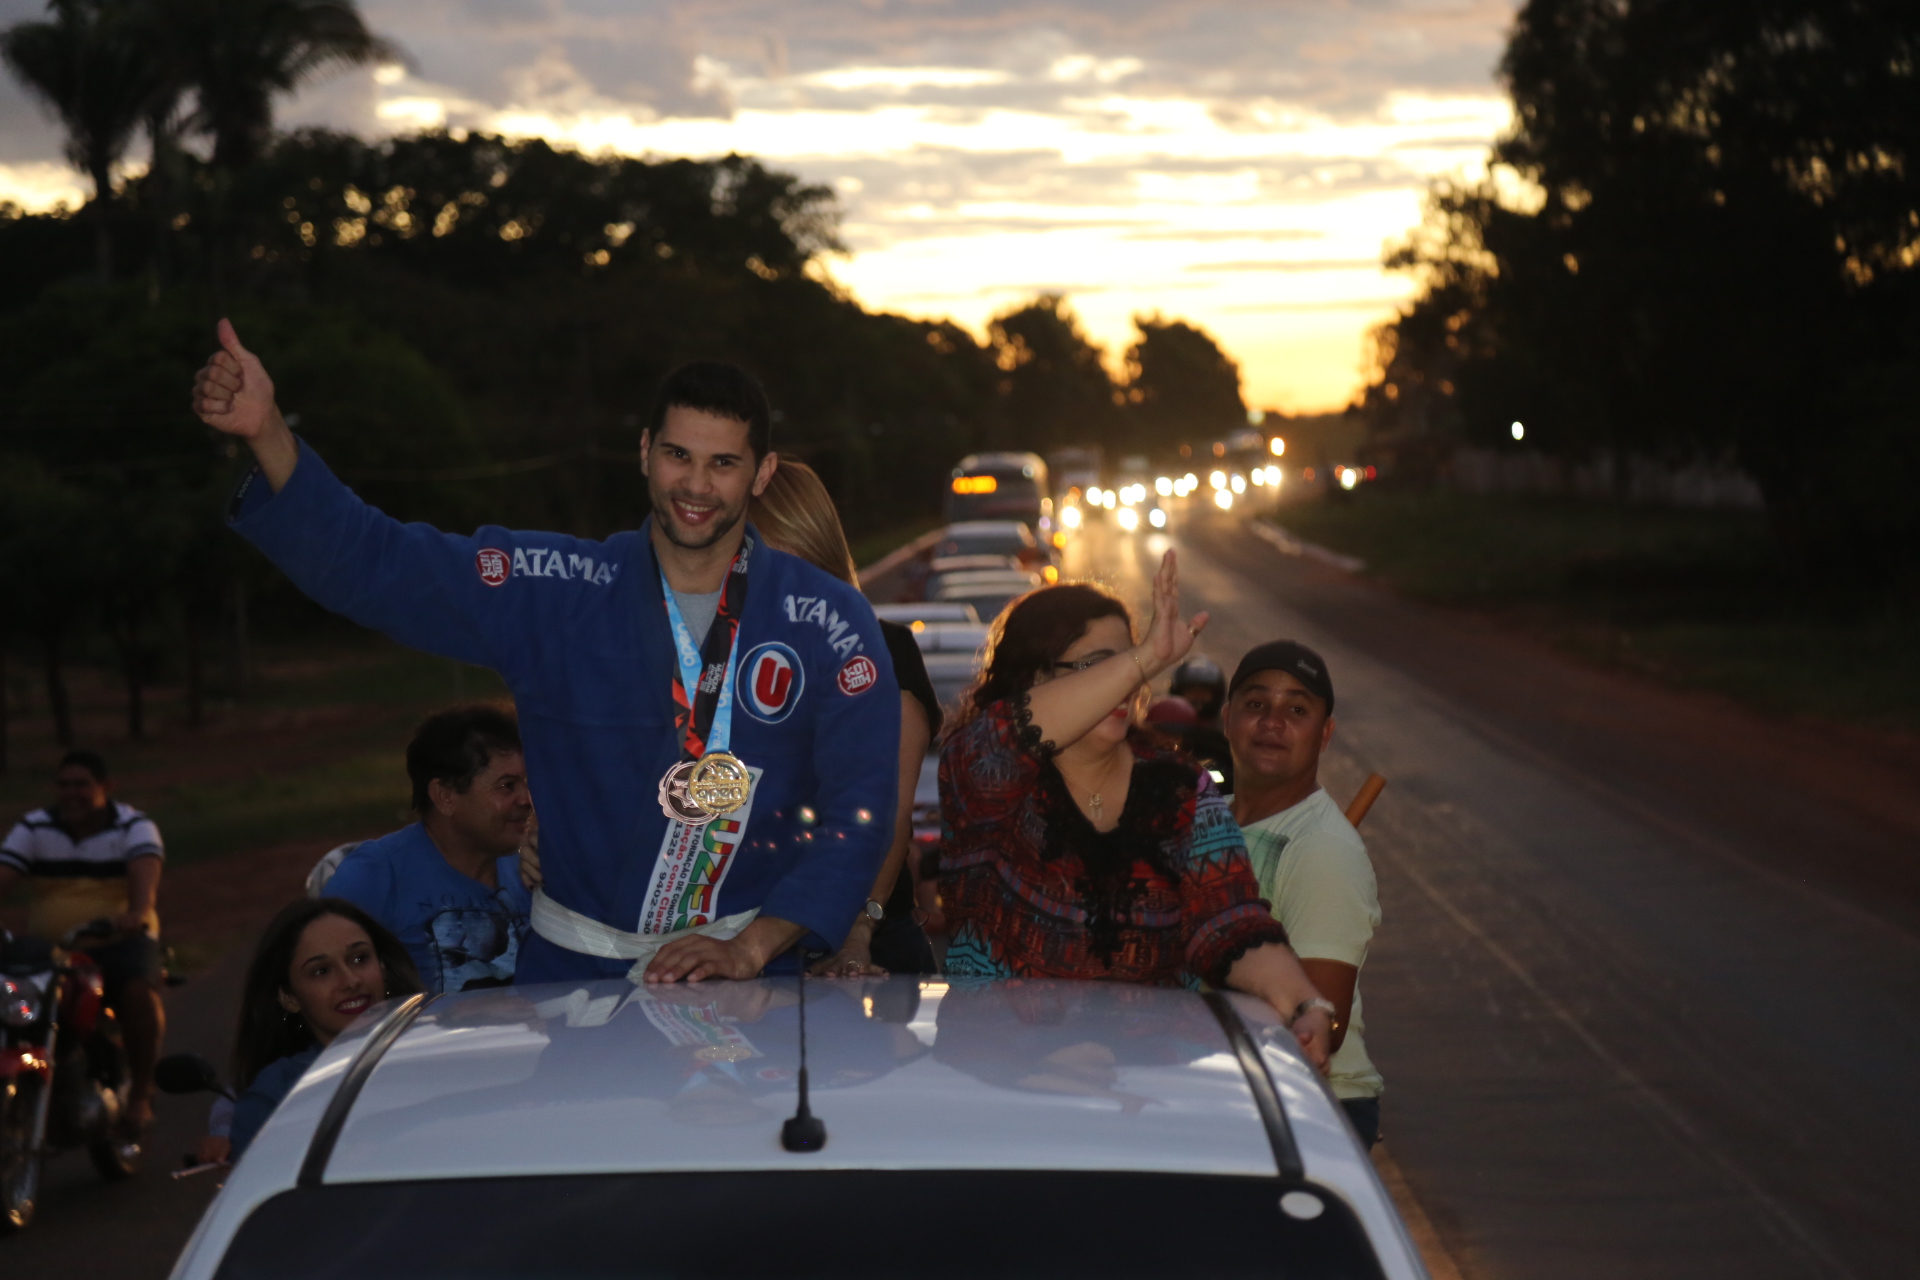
x: 1074, y: 468
x: 1001, y: 486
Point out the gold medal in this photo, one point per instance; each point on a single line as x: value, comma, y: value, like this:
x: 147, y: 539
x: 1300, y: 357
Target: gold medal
x: 726, y: 1053
x: 719, y: 784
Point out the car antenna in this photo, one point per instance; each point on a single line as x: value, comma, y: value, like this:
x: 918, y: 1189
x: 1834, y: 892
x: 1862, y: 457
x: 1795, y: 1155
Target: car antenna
x: 803, y: 1131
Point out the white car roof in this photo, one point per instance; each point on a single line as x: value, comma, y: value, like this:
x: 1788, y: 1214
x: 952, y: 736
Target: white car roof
x: 975, y: 564
x: 952, y: 637
x: 609, y: 1077
x: 930, y: 611
x: 989, y: 577
x: 978, y: 528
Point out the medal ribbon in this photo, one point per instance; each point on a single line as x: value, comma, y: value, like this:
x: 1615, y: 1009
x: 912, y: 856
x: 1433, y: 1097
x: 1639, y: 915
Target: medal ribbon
x: 705, y: 719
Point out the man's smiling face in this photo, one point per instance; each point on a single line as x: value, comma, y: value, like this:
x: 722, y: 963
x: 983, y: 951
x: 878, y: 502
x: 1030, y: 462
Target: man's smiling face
x: 701, y: 473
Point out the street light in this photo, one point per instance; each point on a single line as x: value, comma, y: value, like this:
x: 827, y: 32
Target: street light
x: 1519, y: 431
x: 1278, y: 447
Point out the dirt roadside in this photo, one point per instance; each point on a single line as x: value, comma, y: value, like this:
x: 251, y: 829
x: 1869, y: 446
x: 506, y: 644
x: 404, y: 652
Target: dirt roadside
x: 1813, y: 801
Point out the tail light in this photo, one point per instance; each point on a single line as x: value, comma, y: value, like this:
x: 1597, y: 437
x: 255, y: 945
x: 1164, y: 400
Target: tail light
x: 19, y: 1002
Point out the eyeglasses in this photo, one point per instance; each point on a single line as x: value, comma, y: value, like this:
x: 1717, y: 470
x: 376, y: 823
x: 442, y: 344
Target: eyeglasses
x: 1081, y: 664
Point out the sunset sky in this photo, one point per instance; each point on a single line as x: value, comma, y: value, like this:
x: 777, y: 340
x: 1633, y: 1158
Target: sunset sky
x: 1240, y: 165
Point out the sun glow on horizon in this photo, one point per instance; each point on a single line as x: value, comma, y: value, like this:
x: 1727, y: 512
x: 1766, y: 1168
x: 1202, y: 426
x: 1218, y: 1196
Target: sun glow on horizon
x: 975, y: 171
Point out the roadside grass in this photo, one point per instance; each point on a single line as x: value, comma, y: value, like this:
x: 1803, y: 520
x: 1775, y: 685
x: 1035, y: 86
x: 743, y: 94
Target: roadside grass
x: 869, y: 547
x: 317, y: 749
x: 1691, y: 597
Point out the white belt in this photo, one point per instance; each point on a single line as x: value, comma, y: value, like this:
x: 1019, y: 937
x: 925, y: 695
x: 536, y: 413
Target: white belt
x: 565, y: 927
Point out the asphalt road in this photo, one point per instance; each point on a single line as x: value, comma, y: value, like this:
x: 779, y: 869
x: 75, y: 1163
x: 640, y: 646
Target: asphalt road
x: 1647, y: 993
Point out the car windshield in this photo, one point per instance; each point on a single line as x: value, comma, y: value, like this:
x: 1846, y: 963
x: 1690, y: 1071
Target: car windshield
x: 829, y: 1224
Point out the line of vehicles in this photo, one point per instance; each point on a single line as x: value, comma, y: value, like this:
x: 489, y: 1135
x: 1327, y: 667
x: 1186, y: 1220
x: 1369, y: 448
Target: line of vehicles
x: 1058, y: 496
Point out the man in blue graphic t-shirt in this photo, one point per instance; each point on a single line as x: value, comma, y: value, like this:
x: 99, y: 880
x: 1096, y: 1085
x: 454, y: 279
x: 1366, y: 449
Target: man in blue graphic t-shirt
x: 449, y: 885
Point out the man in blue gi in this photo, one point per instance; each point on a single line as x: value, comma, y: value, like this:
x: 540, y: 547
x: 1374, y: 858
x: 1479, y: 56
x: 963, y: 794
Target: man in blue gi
x: 711, y: 726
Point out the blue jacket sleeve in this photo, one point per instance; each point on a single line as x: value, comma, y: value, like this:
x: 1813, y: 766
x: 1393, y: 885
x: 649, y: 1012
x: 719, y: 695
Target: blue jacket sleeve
x: 261, y: 1098
x: 430, y: 590
x: 856, y: 761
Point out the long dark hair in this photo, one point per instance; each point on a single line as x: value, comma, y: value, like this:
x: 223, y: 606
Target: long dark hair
x: 267, y: 1032
x: 1030, y: 635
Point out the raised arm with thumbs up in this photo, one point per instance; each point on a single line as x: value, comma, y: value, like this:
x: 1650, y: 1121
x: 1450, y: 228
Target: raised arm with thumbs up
x: 232, y: 393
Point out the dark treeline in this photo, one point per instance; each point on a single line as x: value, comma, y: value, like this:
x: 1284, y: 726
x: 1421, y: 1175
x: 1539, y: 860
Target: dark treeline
x: 1710, y: 256
x: 469, y: 329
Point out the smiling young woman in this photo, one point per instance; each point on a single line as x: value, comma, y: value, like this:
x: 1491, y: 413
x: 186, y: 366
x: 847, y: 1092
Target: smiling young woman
x: 321, y: 963
x: 1076, y: 847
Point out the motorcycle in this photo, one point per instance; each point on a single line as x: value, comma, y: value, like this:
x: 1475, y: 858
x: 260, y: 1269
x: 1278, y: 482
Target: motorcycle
x: 63, y: 1067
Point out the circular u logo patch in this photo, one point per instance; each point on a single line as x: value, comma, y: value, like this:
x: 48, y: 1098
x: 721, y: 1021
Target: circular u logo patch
x: 774, y: 681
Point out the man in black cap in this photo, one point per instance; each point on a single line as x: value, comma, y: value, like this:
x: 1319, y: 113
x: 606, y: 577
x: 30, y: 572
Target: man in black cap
x: 1311, y: 863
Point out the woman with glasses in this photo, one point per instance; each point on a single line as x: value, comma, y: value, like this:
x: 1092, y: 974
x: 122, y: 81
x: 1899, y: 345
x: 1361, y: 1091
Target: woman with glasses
x: 1075, y: 847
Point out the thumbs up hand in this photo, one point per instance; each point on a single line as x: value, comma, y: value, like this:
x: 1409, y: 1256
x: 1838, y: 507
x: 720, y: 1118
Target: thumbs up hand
x: 233, y: 394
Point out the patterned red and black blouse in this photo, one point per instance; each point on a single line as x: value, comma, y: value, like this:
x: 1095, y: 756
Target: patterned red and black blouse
x: 1166, y: 898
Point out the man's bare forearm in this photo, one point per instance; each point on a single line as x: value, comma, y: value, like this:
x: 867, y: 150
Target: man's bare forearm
x: 766, y: 937
x: 143, y: 884
x: 276, y: 450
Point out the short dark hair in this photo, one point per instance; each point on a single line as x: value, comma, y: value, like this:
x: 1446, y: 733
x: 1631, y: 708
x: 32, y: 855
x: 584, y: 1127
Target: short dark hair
x: 92, y: 761
x: 455, y: 746
x: 726, y: 390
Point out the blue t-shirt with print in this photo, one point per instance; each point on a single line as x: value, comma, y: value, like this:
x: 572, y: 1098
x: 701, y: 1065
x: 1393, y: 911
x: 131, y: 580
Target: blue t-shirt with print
x: 460, y: 933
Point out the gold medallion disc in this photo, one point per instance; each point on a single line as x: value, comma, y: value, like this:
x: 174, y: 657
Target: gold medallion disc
x: 719, y: 784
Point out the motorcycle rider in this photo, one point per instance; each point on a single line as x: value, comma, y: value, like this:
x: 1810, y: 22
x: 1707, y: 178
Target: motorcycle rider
x: 90, y: 857
x: 711, y: 725
x: 1203, y: 685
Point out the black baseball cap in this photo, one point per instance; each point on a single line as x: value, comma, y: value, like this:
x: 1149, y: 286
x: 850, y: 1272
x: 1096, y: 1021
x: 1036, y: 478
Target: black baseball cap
x: 1292, y: 657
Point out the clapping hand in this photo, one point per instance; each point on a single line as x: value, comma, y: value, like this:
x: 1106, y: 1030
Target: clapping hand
x: 1168, y: 636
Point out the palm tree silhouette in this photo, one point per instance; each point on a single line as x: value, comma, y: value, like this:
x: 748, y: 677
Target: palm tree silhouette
x: 107, y: 68
x: 238, y: 55
x: 89, y: 64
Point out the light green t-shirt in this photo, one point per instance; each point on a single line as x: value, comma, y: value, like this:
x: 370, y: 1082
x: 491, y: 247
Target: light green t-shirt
x: 1313, y: 867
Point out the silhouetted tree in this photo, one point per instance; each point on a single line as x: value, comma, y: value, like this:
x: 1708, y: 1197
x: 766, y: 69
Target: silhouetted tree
x: 241, y: 54
x: 1721, y: 261
x: 1056, y: 389
x: 1180, y: 385
x: 92, y: 64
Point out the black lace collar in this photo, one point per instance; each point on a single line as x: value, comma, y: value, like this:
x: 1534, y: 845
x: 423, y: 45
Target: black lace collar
x: 1160, y: 797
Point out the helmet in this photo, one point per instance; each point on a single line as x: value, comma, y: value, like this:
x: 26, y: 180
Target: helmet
x: 1200, y: 670
x: 1172, y: 713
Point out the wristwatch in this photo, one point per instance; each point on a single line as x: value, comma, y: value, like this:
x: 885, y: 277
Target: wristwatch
x: 1316, y: 1002
x: 875, y: 911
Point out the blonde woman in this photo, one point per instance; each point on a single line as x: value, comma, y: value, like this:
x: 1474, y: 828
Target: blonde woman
x: 795, y: 514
